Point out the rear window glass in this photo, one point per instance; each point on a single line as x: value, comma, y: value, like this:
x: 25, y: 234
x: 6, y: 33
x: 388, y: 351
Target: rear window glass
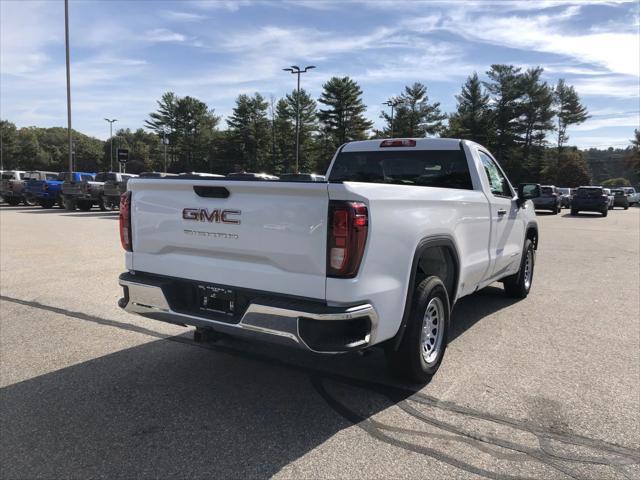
x: 547, y: 190
x: 51, y: 176
x: 7, y: 176
x: 590, y: 192
x: 618, y: 193
x: 101, y: 177
x: 427, y: 168
x: 86, y: 178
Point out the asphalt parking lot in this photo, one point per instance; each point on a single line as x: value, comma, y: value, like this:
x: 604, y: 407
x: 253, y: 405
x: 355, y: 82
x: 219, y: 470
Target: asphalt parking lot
x: 548, y: 387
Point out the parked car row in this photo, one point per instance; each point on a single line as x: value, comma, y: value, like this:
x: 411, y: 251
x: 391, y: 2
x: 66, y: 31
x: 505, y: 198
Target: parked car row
x: 84, y: 190
x: 586, y: 198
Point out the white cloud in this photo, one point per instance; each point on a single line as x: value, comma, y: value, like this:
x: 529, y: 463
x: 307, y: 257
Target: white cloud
x: 182, y: 16
x: 618, y: 52
x: 608, y: 86
x: 160, y: 35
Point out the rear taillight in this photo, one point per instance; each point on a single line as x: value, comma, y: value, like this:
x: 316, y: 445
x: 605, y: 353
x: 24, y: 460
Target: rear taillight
x: 125, y: 221
x: 346, y: 238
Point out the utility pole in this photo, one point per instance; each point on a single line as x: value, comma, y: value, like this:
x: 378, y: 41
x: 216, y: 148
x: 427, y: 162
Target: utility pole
x: 111, y: 138
x: 393, y: 103
x: 66, y: 41
x: 296, y: 71
x: 164, y: 142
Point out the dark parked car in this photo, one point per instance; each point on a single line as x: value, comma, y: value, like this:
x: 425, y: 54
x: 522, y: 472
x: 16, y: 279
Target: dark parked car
x: 550, y: 199
x: 115, y: 185
x: 590, y: 199
x: 82, y: 192
x: 620, y: 198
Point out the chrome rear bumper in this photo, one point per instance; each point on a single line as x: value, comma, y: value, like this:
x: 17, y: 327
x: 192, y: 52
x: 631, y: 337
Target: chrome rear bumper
x: 295, y: 327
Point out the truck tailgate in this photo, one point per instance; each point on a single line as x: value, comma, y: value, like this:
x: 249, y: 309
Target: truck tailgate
x: 278, y: 244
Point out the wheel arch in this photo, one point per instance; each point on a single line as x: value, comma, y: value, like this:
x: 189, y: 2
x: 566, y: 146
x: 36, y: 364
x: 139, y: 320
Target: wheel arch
x: 532, y: 234
x: 444, y: 245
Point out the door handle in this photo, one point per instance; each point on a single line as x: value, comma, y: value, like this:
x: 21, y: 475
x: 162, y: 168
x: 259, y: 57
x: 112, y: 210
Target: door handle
x: 502, y: 212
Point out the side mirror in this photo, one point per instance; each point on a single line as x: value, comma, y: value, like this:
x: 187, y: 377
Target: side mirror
x: 527, y: 191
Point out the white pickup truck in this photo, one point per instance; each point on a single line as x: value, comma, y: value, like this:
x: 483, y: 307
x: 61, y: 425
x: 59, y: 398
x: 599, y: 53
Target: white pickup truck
x: 378, y: 254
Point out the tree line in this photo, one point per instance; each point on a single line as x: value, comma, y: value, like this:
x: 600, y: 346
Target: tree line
x: 519, y: 117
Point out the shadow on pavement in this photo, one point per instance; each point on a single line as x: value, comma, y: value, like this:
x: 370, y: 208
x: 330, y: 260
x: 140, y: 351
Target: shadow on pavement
x: 174, y: 408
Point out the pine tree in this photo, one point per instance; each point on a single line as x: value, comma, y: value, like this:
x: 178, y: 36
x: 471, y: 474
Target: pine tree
x: 472, y: 119
x: 505, y: 87
x: 343, y: 119
x: 414, y: 115
x: 250, y: 130
x: 569, y: 110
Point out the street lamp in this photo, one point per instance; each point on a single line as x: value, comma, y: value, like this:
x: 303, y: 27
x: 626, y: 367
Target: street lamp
x: 297, y: 71
x: 165, y: 142
x: 393, y: 103
x: 111, y: 137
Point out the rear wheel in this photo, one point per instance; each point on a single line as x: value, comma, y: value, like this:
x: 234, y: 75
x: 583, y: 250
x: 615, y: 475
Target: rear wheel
x: 519, y: 285
x: 626, y: 208
x: 85, y: 205
x: 14, y: 202
x: 425, y: 339
x: 110, y: 204
x: 69, y: 204
x: 605, y: 212
x: 46, y: 203
x: 102, y: 203
x: 30, y: 200
x: 61, y: 202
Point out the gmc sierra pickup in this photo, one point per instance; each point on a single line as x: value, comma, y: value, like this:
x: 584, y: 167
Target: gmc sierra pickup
x: 376, y: 255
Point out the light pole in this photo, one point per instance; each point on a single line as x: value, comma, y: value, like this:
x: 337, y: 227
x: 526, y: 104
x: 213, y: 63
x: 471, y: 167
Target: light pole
x: 164, y: 142
x: 393, y: 103
x: 66, y: 45
x: 296, y: 71
x: 111, y: 137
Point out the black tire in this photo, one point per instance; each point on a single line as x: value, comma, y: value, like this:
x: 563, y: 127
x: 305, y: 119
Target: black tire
x: 605, y: 212
x: 60, y: 202
x: 70, y: 204
x: 14, y: 202
x: 47, y: 203
x: 30, y: 200
x: 574, y: 211
x: 102, y: 203
x: 555, y: 211
x: 519, y: 284
x: 626, y: 208
x: 110, y: 204
x: 85, y: 205
x: 409, y: 361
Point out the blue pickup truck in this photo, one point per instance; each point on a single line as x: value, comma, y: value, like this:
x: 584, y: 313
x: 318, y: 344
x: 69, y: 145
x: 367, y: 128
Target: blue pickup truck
x: 49, y: 192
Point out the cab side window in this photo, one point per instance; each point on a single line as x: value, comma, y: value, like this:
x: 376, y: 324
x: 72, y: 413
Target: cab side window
x: 497, y: 181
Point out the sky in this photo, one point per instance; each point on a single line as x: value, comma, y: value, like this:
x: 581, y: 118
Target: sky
x: 125, y: 54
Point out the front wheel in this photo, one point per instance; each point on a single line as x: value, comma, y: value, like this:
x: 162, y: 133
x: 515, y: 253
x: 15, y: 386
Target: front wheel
x: 605, y: 212
x: 46, y: 203
x: 13, y: 201
x: 519, y: 284
x: 425, y: 339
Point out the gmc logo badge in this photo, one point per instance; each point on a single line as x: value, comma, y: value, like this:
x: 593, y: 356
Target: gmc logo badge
x: 213, y: 216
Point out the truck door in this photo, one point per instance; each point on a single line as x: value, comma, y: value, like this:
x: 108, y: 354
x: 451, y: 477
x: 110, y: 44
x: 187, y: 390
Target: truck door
x: 507, y: 233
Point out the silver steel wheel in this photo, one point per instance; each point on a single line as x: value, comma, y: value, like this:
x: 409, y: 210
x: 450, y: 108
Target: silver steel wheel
x: 432, y: 330
x: 528, y: 269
